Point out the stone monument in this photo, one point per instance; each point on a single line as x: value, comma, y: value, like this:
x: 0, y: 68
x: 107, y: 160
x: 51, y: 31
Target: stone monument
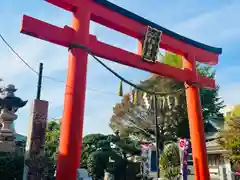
x: 9, y: 104
x: 35, y: 161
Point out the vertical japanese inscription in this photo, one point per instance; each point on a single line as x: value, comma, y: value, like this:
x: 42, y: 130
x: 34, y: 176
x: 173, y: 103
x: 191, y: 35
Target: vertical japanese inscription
x: 151, y: 44
x: 34, y: 157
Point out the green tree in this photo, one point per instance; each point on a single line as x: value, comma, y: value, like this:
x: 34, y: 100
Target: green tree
x: 51, y: 145
x: 52, y: 139
x: 170, y: 161
x: 210, y: 100
x: 135, y: 120
x: 138, y: 122
x: 172, y: 59
x: 212, y: 105
x: 91, y: 143
x: 231, y: 136
x: 11, y: 166
x: 98, y: 160
x: 98, y: 149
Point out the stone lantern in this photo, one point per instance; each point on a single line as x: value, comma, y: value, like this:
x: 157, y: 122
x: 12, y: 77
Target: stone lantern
x: 9, y: 104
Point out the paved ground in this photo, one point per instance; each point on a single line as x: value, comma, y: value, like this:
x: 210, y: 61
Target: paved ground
x: 191, y: 177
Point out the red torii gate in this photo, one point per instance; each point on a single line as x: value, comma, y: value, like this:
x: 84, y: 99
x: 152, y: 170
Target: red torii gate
x: 119, y: 19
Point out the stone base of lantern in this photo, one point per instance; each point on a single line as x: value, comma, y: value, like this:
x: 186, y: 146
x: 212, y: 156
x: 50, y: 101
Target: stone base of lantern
x: 7, y: 146
x: 7, y: 135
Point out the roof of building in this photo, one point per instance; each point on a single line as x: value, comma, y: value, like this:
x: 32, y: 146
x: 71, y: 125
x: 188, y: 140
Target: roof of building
x: 20, y: 137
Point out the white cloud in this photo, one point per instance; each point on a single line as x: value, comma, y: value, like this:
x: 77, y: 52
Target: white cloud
x: 214, y: 27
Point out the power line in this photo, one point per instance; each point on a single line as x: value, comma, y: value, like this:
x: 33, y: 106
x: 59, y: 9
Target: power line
x: 17, y: 54
x: 72, y: 45
x: 88, y: 88
x: 48, y: 77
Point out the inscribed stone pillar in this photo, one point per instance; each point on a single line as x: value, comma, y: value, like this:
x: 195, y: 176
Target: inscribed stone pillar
x: 34, y: 156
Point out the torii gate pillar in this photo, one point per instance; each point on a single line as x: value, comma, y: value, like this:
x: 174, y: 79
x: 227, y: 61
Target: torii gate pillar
x: 194, y: 109
x: 73, y: 115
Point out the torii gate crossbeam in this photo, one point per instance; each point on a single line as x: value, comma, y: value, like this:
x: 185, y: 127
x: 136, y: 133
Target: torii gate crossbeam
x: 117, y: 18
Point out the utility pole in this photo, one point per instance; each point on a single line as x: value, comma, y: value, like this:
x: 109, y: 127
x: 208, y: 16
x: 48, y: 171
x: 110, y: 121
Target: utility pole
x: 39, y: 86
x: 157, y: 136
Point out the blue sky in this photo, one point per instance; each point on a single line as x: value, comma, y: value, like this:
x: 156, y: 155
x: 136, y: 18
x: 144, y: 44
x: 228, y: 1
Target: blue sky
x: 214, y: 22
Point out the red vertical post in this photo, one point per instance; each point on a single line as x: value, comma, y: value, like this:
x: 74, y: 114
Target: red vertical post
x: 196, y: 125
x: 140, y: 47
x: 73, y: 115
